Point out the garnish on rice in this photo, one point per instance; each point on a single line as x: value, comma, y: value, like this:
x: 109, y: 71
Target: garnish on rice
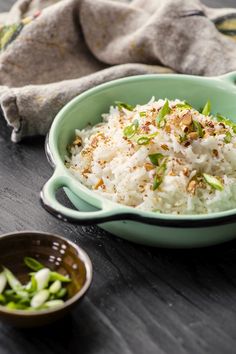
x: 164, y: 155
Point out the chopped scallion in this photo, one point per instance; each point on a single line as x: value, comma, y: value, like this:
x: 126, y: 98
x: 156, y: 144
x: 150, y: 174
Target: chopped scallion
x: 184, y: 105
x: 158, y: 178
x: 32, y: 285
x: 156, y: 182
x: 2, y: 299
x: 142, y: 114
x: 57, y: 276
x: 55, y: 287
x: 3, y: 282
x: 155, y: 158
x: 226, y: 121
x: 143, y: 140
x: 121, y: 105
x: 44, y: 290
x: 198, y: 128
x: 207, y: 109
x: 183, y: 138
x: 33, y: 264
x: 42, y: 278
x: 162, y: 114
x: 53, y: 303
x: 228, y: 137
x: 61, y: 293
x: 131, y: 129
x: 213, y: 182
x: 14, y: 283
x: 16, y: 306
x: 39, y: 298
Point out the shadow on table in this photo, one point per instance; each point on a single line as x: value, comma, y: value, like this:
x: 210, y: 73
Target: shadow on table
x: 75, y: 333
x: 203, y: 272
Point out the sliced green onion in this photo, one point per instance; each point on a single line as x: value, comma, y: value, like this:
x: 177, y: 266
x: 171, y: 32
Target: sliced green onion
x: 154, y: 158
x: 184, y: 105
x: 33, y: 264
x: 9, y: 292
x: 156, y: 182
x: 226, y: 121
x: 55, y: 287
x: 61, y: 293
x: 198, y: 128
x: 207, y: 109
x: 163, y: 112
x: 150, y: 136
x: 142, y: 114
x: 159, y: 174
x: 32, y: 285
x: 57, y: 276
x: 3, y: 282
x: 2, y: 299
x: 220, y: 118
x: 42, y: 278
x: 40, y: 298
x: 44, y: 286
x: 131, y: 129
x: 13, y: 282
x: 121, y: 105
x: 228, y: 137
x: 183, y: 138
x: 11, y: 295
x: 16, y: 306
x: 213, y: 182
x: 53, y: 303
x: 143, y: 140
x: 162, y: 167
x: 25, y: 301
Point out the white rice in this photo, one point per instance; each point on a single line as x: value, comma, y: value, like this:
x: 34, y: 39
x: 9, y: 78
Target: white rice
x: 118, y: 168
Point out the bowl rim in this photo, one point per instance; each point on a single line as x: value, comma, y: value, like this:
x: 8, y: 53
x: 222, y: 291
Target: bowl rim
x: 173, y: 220
x: 89, y: 276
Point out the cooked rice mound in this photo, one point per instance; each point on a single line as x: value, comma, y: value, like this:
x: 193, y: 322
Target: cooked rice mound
x: 163, y: 156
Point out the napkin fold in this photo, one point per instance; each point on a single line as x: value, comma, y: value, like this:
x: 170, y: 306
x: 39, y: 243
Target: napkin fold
x: 52, y: 50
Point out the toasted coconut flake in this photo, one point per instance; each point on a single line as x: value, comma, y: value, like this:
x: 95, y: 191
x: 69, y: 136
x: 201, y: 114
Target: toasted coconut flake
x: 86, y: 171
x: 148, y: 166
x: 77, y: 141
x: 171, y: 173
x: 187, y: 119
x: 165, y: 147
x: 193, y: 135
x: 98, y: 184
x: 167, y: 128
x: 186, y: 172
x: 191, y: 187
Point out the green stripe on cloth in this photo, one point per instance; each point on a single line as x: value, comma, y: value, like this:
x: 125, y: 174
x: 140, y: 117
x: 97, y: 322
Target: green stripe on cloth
x: 9, y: 33
x: 227, y: 24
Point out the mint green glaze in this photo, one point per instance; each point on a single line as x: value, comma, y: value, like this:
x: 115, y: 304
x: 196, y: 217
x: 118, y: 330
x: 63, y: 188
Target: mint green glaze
x: 88, y: 107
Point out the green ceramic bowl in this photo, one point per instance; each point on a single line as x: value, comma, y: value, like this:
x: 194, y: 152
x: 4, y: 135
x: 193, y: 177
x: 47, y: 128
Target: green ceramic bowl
x: 58, y: 254
x: 138, y: 226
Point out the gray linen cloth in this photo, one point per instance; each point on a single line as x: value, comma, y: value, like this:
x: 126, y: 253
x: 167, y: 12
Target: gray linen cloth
x: 51, y: 51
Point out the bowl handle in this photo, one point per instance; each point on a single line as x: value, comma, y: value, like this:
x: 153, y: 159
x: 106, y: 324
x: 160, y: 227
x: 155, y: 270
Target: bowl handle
x: 230, y: 78
x: 52, y: 205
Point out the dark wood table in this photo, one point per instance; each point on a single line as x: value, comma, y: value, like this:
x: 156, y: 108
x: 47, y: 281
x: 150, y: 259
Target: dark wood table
x: 142, y: 300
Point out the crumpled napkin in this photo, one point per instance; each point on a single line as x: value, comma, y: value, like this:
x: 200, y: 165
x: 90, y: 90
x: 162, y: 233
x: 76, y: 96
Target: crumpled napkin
x: 52, y: 50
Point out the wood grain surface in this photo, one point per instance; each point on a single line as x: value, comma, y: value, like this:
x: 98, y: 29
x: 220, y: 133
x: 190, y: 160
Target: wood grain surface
x: 143, y: 300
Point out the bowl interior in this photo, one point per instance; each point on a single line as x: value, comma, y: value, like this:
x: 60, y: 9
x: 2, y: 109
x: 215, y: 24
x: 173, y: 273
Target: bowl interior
x: 88, y: 107
x: 52, y: 251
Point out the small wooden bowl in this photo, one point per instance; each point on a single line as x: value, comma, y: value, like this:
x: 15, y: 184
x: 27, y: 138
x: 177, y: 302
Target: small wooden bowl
x: 56, y: 253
